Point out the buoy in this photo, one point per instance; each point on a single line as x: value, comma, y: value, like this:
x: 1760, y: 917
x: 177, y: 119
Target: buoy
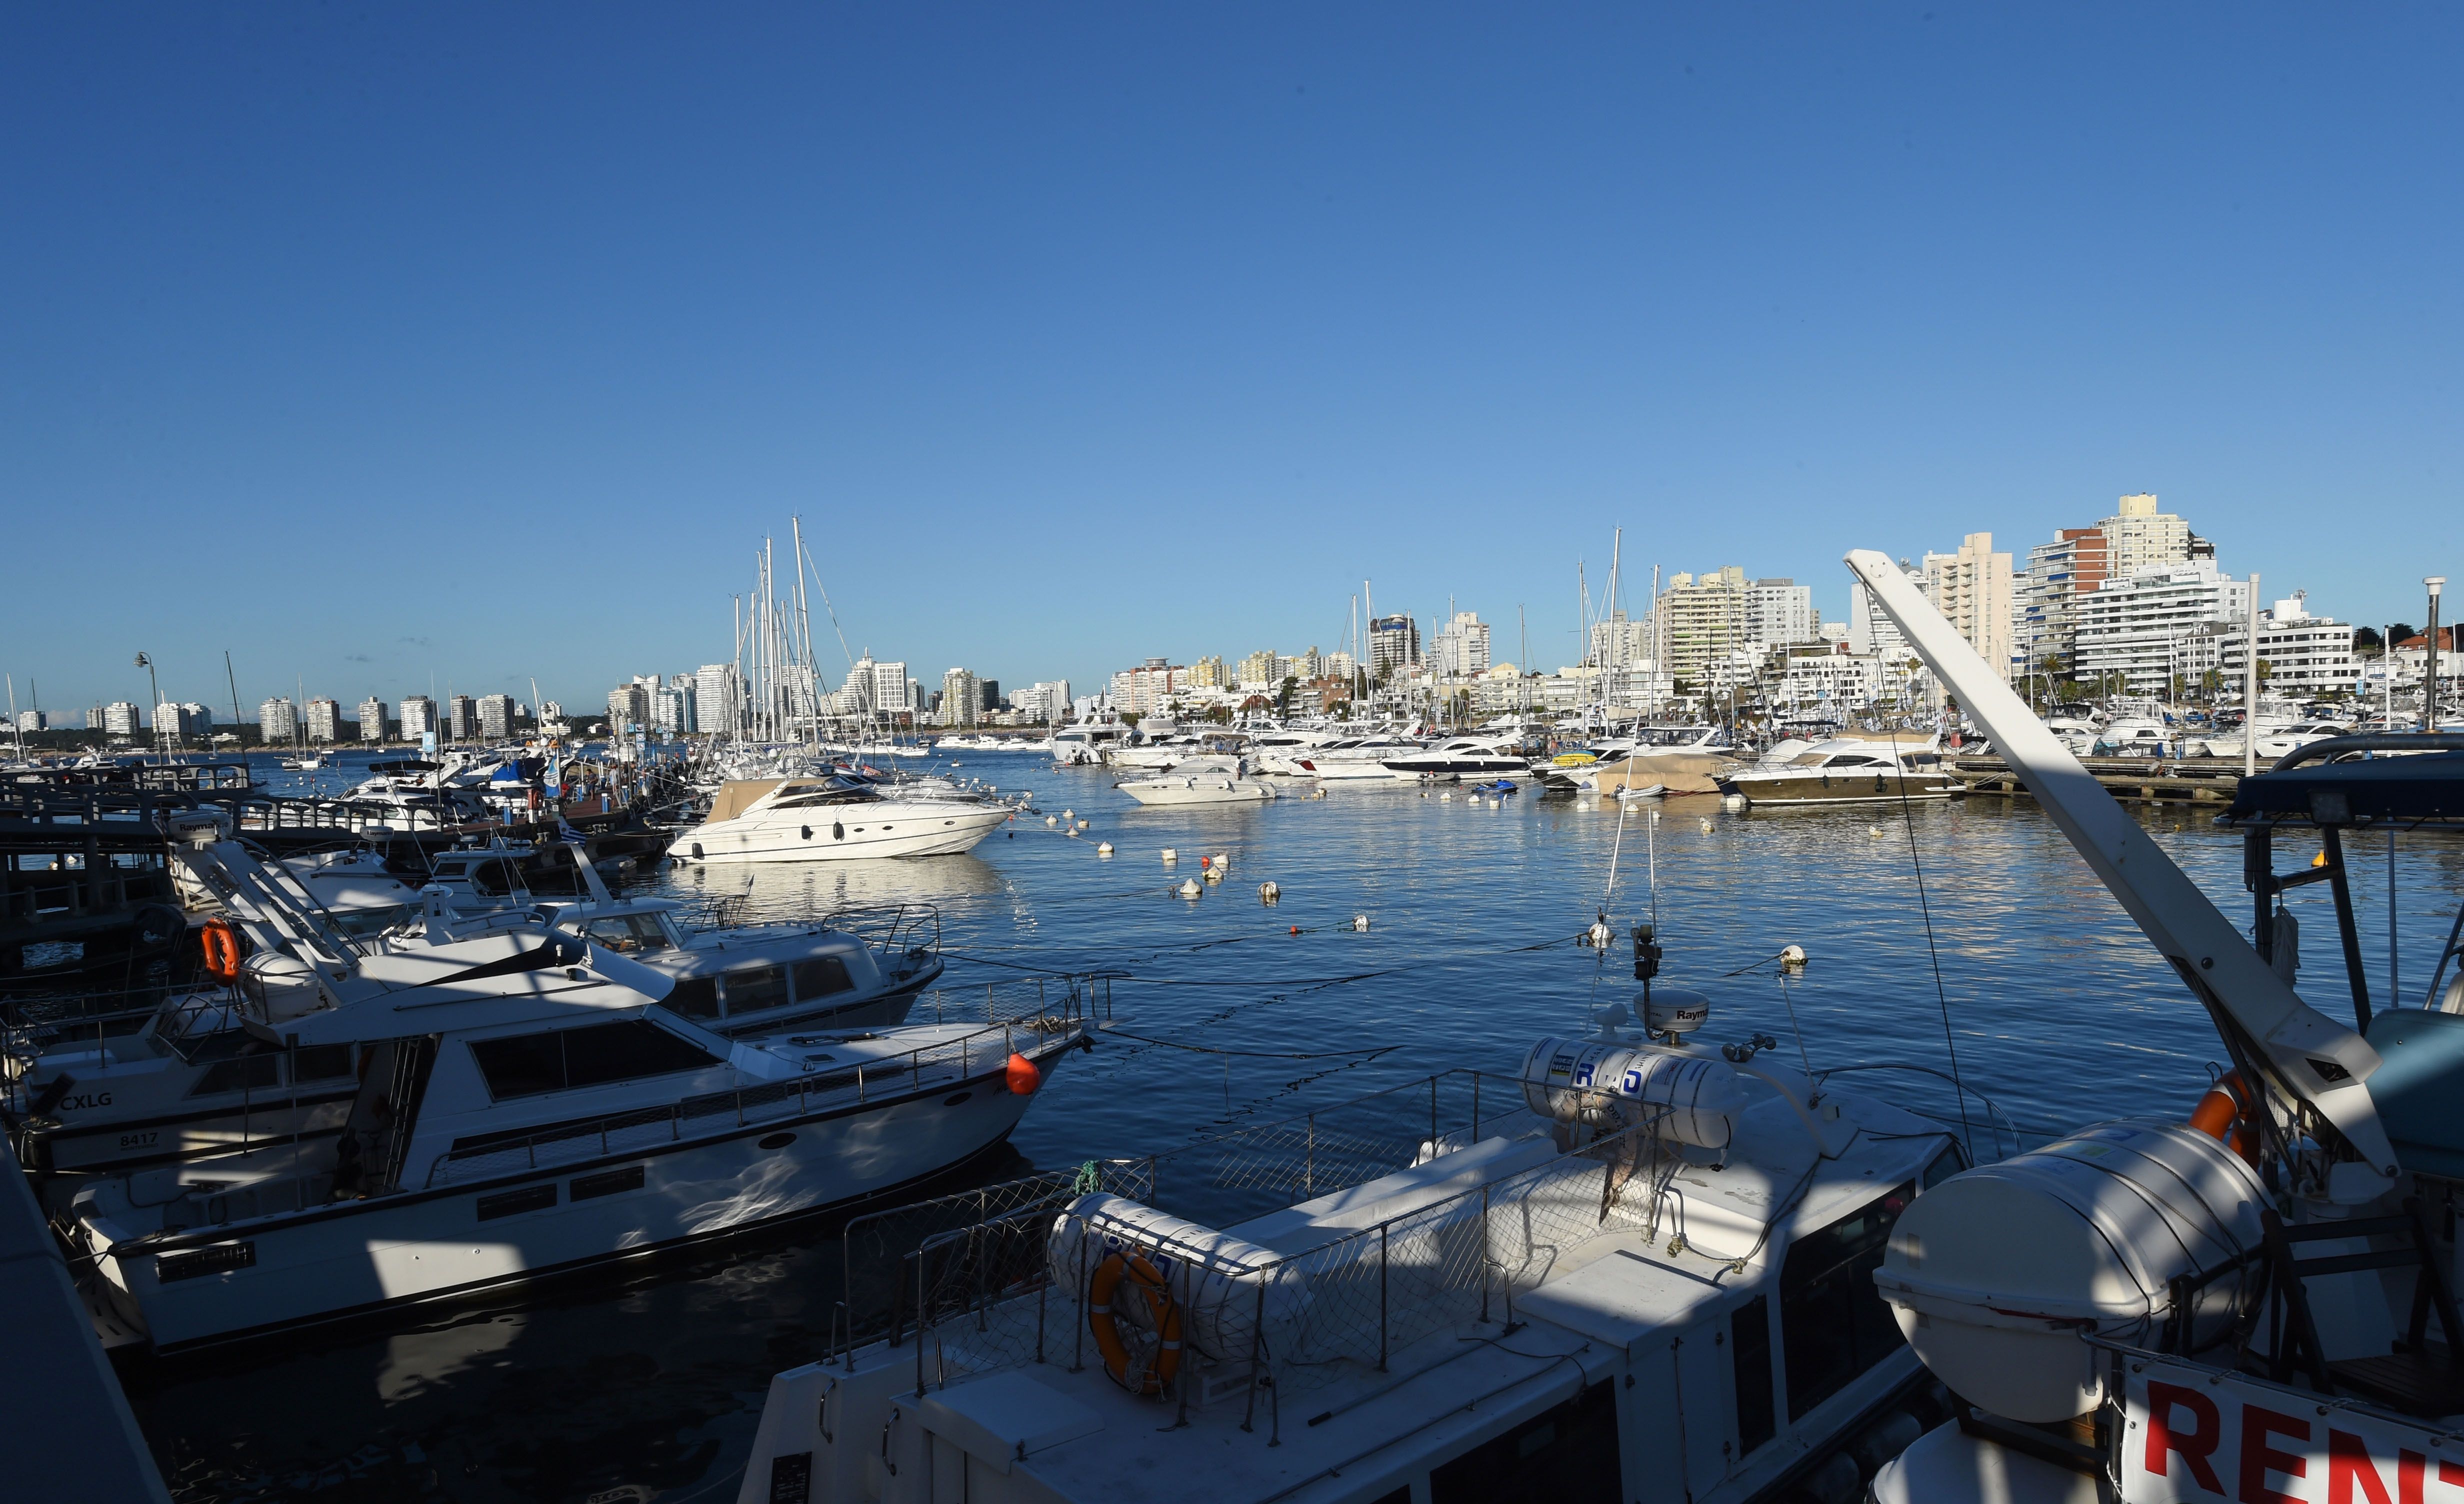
x: 1792, y: 957
x: 1732, y: 801
x: 1296, y: 929
x: 1103, y: 847
x: 1068, y: 814
x: 1170, y: 855
x: 1022, y: 1077
x: 1083, y: 824
x: 1360, y: 923
x: 1224, y: 861
x: 1205, y: 862
x: 1446, y: 798
x: 1268, y: 891
x: 2319, y: 860
x: 1874, y: 831
x: 1051, y: 820
x: 1599, y: 934
x: 1706, y: 827
x: 1215, y: 874
x: 1190, y: 888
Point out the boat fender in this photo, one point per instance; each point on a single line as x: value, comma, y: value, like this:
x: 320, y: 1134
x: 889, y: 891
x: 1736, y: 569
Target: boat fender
x: 220, y: 938
x: 1022, y: 1075
x: 1792, y: 957
x: 838, y: 832
x: 808, y: 832
x: 2225, y: 1114
x: 1269, y: 891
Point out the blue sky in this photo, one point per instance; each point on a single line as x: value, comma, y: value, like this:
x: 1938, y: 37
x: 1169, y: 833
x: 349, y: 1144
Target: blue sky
x: 467, y: 345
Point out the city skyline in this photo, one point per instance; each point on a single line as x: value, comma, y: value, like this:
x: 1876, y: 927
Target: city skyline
x: 1203, y: 319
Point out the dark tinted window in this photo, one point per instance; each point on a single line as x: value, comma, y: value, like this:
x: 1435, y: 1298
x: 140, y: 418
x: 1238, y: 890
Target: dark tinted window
x: 1834, y: 1323
x: 528, y: 1064
x: 321, y: 1062
x: 819, y: 977
x: 254, y: 1073
x: 627, y: 1052
x: 754, y: 989
x: 1945, y: 1165
x: 1749, y: 1354
x: 522, y: 1066
x: 696, y: 997
x: 496, y: 880
x: 1565, y: 1455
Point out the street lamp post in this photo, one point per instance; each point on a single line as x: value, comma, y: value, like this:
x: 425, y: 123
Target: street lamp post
x: 2429, y: 680
x: 156, y: 690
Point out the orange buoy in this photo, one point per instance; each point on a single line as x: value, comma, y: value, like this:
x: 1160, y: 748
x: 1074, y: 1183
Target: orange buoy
x: 1162, y: 1310
x: 2224, y: 1115
x: 1022, y: 1075
x: 221, y: 941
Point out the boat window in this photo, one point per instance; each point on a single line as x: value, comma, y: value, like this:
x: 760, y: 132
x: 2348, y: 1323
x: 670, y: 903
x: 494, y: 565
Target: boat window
x: 249, y: 1073
x: 1808, y: 759
x: 598, y: 1055
x: 1566, y: 1454
x: 628, y: 933
x: 493, y: 880
x: 1751, y: 1360
x: 1945, y: 1165
x: 1852, y: 760
x: 362, y: 922
x: 320, y: 1063
x: 696, y: 997
x: 750, y: 990
x: 820, y: 975
x: 1833, y: 1324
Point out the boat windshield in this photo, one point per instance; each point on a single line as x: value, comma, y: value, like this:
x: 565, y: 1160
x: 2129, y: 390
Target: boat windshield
x: 1670, y: 736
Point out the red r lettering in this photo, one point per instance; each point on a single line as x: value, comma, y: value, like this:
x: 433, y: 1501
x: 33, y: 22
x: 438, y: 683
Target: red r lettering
x: 2348, y: 1462
x: 2195, y: 1445
x: 2450, y: 1474
x: 2259, y: 1459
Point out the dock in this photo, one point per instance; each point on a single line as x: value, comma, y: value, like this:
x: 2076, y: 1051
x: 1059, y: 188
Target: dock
x: 2133, y: 780
x: 70, y: 1431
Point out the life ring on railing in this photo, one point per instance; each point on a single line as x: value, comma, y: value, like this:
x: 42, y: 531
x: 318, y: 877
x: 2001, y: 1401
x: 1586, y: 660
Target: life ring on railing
x: 1132, y: 1269
x: 2227, y: 1113
x: 221, y: 941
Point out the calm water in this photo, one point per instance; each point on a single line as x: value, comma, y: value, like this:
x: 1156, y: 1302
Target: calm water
x: 650, y: 1389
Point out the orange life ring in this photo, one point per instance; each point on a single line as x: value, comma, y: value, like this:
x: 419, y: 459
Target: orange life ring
x: 221, y: 941
x: 1140, y: 1275
x: 2225, y: 1114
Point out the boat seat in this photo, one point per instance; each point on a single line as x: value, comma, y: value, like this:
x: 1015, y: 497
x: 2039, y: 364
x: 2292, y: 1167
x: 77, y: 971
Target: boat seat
x: 2419, y: 1377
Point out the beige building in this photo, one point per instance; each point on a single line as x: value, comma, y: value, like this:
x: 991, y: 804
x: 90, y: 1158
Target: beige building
x: 1971, y: 588
x: 2138, y: 537
x: 1700, y: 622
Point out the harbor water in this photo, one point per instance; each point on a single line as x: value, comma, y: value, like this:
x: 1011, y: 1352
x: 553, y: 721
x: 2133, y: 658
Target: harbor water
x: 2028, y: 978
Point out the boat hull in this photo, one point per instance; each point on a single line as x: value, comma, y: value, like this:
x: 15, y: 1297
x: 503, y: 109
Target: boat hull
x: 826, y: 835
x: 352, y: 1258
x: 1813, y: 787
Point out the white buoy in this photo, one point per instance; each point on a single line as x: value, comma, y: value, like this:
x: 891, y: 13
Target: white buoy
x: 1706, y: 827
x: 1190, y: 889
x: 1270, y: 892
x: 1083, y: 824
x: 1104, y: 849
x: 1224, y: 861
x: 1732, y: 801
x: 1360, y: 923
x: 1792, y: 957
x: 1446, y: 798
x: 1215, y: 874
x: 1068, y: 814
x: 1051, y: 819
x: 1874, y: 831
x: 1170, y: 855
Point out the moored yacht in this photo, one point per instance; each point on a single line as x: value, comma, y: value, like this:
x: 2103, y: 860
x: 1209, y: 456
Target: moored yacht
x: 1461, y: 757
x: 1847, y: 770
x: 1355, y: 758
x: 832, y: 819
x: 1199, y: 781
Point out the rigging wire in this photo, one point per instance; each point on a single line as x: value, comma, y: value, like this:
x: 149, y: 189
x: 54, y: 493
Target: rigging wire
x: 1942, y: 995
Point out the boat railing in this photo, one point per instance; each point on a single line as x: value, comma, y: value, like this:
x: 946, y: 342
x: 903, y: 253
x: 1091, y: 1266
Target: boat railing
x: 825, y: 1084
x: 985, y: 1297
x: 895, y: 930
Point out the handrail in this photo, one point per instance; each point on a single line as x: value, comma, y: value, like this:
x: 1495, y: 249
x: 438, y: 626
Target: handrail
x: 2328, y: 747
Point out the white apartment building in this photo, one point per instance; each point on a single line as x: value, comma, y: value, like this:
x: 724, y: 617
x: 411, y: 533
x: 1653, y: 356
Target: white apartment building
x: 186, y: 722
x: 877, y: 689
x: 495, y: 716
x: 2161, y: 623
x: 2305, y: 656
x: 1819, y: 678
x: 372, y: 719
x: 628, y: 706
x: 719, y: 699
x: 461, y: 717
x: 418, y: 716
x: 1700, y: 622
x: 1150, y: 688
x: 124, y: 718
x: 34, y: 721
x: 324, y: 719
x: 277, y: 720
x: 1394, y: 645
x: 1779, y: 611
x: 1971, y: 588
x: 1463, y: 647
x: 672, y: 706
x: 963, y: 697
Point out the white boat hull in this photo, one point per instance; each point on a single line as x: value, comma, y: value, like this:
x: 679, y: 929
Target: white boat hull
x: 927, y: 828
x: 1196, y: 791
x: 357, y: 1257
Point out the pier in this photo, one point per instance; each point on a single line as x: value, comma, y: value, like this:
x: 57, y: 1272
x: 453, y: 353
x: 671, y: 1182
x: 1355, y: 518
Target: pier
x: 2153, y: 781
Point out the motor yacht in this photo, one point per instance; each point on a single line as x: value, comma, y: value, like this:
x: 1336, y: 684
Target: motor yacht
x: 1349, y: 758
x: 1676, y: 740
x: 1461, y: 757
x: 832, y: 819
x: 1084, y: 745
x: 1847, y: 770
x: 1200, y: 780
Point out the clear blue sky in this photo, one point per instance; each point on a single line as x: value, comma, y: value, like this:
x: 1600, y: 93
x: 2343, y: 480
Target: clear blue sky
x: 486, y: 342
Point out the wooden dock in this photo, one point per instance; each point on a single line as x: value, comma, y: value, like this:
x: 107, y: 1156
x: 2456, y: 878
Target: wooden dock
x: 2152, y: 781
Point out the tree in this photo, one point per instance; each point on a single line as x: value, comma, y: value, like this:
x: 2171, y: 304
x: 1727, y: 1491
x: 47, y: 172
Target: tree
x: 2367, y: 643
x: 2212, y: 683
x: 1284, y: 699
x: 2402, y: 632
x: 1131, y: 717
x: 2266, y: 670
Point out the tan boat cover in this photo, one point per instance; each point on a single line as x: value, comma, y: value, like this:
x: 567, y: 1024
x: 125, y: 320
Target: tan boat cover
x: 1682, y: 773
x: 738, y: 795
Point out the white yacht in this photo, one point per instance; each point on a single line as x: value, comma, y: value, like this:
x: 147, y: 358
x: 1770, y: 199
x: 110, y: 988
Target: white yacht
x: 1461, y: 757
x: 1084, y: 745
x: 1847, y: 770
x: 1675, y: 741
x: 1357, y: 758
x: 1200, y: 780
x: 1633, y: 1269
x: 832, y: 819
x: 1278, y: 752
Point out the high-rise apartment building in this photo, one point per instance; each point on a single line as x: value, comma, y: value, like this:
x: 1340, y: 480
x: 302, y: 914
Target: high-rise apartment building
x: 1779, y: 611
x: 1150, y: 688
x: 1618, y: 644
x: 324, y: 719
x: 629, y: 708
x: 2157, y: 624
x: 2138, y: 537
x: 1701, y: 621
x: 184, y: 722
x: 1871, y: 630
x: 1209, y: 673
x: 1257, y: 671
x: 963, y: 699
x: 124, y: 718
x: 372, y: 719
x: 495, y: 716
x: 2047, y: 601
x: 1394, y: 645
x: 34, y: 721
x: 278, y: 721
x: 719, y: 699
x: 418, y: 718
x: 1971, y: 588
x: 1046, y: 704
x: 1461, y: 647
x: 462, y: 717
x: 2306, y: 657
